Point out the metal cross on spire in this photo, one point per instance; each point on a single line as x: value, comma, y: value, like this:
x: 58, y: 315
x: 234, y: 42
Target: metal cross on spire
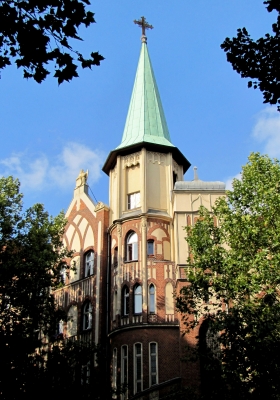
x: 144, y: 24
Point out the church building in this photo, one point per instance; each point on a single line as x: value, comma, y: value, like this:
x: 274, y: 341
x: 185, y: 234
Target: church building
x: 131, y: 254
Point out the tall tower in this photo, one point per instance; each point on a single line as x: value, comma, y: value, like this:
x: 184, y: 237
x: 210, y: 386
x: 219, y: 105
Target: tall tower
x: 144, y: 329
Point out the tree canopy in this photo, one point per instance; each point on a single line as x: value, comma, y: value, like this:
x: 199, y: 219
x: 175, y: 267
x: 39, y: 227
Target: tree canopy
x: 35, y: 33
x: 32, y: 258
x: 233, y: 291
x: 258, y: 59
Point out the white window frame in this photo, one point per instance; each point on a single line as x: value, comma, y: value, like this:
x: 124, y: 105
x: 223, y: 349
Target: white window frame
x: 124, y: 371
x: 89, y: 263
x: 133, y: 200
x: 87, y: 316
x: 125, y: 301
x: 153, y: 376
x: 132, y: 247
x: 136, y: 356
x: 137, y: 295
x: 152, y: 307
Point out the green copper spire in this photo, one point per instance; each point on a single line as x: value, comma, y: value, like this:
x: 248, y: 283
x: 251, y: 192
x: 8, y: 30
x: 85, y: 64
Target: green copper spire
x: 145, y: 120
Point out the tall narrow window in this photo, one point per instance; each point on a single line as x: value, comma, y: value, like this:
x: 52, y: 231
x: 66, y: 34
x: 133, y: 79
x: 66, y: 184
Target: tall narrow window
x: 125, y: 300
x: 114, y: 369
x: 137, y: 299
x: 133, y: 200
x: 124, y: 370
x: 89, y: 262
x: 137, y: 367
x: 152, y: 298
x: 150, y: 248
x: 153, y: 364
x: 169, y: 300
x: 87, y: 316
x: 115, y: 305
x: 132, y: 247
x: 115, y: 259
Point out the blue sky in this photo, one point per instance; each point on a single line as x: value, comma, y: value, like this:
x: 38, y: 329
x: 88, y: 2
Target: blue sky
x: 49, y: 132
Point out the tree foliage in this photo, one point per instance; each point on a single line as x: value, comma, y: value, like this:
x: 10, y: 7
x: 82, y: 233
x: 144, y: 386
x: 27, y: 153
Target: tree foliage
x: 234, y: 278
x: 37, y: 32
x: 258, y: 59
x: 32, y: 259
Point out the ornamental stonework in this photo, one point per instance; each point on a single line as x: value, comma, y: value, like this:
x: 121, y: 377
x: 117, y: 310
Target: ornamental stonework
x: 131, y: 160
x: 156, y: 158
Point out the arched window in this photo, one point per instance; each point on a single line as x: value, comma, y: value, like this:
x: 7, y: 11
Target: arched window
x: 132, y: 247
x: 150, y: 248
x: 89, y: 263
x: 87, y: 316
x: 125, y: 300
x: 137, y: 299
x: 152, y: 298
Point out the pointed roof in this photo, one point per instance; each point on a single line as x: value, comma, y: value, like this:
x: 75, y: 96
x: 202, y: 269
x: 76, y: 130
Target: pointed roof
x: 145, y: 123
x: 145, y: 120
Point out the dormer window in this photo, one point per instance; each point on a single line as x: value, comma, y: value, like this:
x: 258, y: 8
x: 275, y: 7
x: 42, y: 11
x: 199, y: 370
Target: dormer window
x: 133, y: 200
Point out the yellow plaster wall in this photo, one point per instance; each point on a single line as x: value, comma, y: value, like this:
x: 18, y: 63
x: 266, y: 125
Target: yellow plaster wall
x: 156, y: 185
x: 133, y: 179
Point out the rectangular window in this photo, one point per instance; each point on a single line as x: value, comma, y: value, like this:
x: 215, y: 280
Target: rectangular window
x: 133, y: 200
x: 138, y: 383
x: 124, y: 371
x: 153, y: 364
x: 114, y: 369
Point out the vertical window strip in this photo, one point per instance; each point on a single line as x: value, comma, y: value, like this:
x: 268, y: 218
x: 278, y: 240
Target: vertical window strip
x: 124, y: 370
x: 138, y: 368
x: 153, y: 364
x: 138, y: 299
x: 114, y: 369
x: 152, y: 299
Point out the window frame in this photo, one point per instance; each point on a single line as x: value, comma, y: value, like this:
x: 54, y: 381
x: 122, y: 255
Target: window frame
x: 153, y: 375
x: 125, y: 300
x: 136, y: 381
x: 89, y: 264
x: 152, y: 311
x: 115, y: 256
x: 133, y: 200
x: 150, y: 241
x: 136, y: 299
x: 124, y: 370
x: 131, y: 246
x: 87, y: 316
x: 114, y: 368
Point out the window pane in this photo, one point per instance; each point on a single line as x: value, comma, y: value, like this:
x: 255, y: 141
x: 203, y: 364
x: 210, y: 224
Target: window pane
x: 150, y: 248
x: 138, y: 299
x: 152, y: 305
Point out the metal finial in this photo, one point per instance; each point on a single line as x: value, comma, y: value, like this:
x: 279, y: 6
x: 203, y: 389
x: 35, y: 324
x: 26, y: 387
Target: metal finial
x: 144, y: 25
x: 195, y: 174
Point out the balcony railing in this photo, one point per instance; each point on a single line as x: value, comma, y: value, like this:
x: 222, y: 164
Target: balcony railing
x: 75, y: 291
